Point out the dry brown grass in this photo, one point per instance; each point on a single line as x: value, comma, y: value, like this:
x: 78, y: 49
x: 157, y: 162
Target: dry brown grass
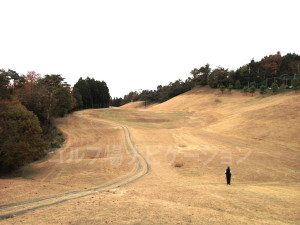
x: 134, y: 105
x: 138, y: 105
x: 86, y: 160
x: 261, y: 135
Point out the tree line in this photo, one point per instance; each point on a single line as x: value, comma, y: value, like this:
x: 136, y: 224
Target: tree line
x: 161, y: 94
x: 28, y: 106
x: 271, y: 71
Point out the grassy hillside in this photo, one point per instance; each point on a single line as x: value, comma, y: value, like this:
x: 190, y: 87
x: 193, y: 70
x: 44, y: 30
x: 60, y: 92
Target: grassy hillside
x: 188, y: 141
x: 274, y: 116
x: 208, y: 122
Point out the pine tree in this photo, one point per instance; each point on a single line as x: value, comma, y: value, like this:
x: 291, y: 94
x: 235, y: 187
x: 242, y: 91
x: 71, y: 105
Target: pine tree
x: 238, y: 84
x: 246, y: 90
x: 295, y: 85
x: 222, y: 88
x: 252, y: 89
x: 229, y: 88
x: 274, y: 88
x: 262, y: 90
x: 282, y: 87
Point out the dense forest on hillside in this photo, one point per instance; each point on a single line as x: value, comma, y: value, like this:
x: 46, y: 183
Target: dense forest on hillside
x: 271, y: 71
x: 28, y: 106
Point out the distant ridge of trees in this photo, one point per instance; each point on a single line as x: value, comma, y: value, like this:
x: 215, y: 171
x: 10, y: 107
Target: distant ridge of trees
x: 270, y: 69
x: 29, y: 104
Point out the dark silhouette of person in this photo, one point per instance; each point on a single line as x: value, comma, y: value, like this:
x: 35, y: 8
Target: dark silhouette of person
x: 228, y: 175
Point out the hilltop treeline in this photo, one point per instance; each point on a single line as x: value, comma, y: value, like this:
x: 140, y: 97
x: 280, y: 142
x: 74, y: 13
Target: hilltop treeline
x: 161, y: 94
x: 91, y: 93
x: 271, y: 69
x: 28, y: 105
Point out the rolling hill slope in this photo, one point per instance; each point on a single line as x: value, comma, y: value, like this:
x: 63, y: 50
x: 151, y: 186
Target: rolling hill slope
x: 188, y: 141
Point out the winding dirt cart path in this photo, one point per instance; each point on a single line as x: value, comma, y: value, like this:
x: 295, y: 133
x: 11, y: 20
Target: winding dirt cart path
x: 142, y: 168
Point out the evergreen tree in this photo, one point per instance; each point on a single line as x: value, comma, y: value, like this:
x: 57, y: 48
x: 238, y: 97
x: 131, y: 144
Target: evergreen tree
x: 78, y: 97
x: 262, y: 90
x: 274, y: 88
x: 84, y: 89
x: 204, y: 74
x: 238, y: 84
x: 63, y: 101
x: 229, y: 88
x: 282, y: 87
x: 222, y: 88
x: 295, y: 85
x: 252, y: 89
x: 246, y: 90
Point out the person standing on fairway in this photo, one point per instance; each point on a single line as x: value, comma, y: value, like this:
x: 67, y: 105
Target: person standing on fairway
x: 228, y: 175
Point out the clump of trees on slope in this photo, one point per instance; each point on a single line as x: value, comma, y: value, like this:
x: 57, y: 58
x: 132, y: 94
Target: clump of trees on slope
x: 91, y: 93
x: 28, y: 106
x: 20, y: 137
x: 276, y: 68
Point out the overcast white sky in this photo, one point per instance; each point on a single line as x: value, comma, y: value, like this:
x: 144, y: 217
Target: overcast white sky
x: 136, y: 44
